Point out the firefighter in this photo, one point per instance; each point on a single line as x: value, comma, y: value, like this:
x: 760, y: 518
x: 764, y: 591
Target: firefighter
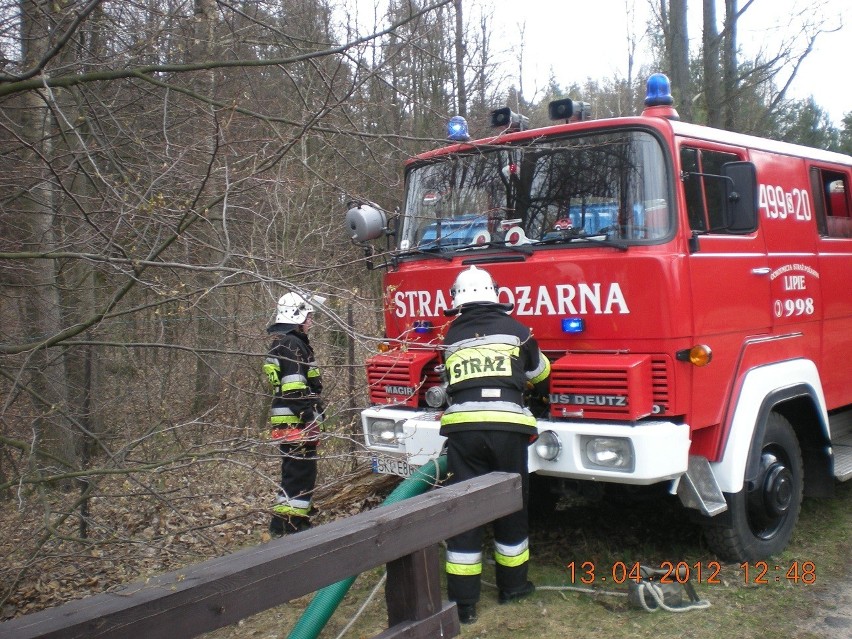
x: 296, y: 411
x: 491, y: 360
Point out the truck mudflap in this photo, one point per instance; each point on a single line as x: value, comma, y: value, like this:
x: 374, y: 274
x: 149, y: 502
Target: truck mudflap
x: 640, y: 453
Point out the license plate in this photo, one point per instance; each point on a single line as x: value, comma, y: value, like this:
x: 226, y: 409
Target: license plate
x: 391, y: 466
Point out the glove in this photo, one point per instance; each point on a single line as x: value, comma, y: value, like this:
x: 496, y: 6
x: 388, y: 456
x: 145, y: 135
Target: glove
x: 273, y: 374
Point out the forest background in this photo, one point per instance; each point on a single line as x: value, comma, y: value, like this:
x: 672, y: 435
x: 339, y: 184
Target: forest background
x: 169, y: 169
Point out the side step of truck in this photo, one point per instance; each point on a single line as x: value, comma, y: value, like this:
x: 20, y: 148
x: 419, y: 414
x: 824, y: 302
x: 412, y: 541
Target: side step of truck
x: 842, y: 448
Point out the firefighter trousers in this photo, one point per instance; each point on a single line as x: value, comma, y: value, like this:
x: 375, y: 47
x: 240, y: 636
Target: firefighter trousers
x: 471, y: 454
x: 298, y: 478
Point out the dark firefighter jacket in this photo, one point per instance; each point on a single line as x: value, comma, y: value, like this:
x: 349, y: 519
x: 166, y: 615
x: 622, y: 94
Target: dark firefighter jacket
x: 490, y: 359
x: 294, y: 376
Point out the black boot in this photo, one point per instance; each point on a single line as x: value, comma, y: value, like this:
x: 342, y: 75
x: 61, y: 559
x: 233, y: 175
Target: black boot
x: 289, y: 525
x: 467, y: 612
x: 506, y: 596
x: 276, y: 526
x: 296, y: 524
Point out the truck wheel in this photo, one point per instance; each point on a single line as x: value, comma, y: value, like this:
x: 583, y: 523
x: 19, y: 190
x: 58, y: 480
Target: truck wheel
x: 760, y: 521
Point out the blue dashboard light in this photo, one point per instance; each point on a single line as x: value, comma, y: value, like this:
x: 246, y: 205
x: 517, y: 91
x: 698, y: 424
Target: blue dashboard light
x: 573, y: 325
x: 457, y: 129
x: 659, y: 91
x: 423, y: 326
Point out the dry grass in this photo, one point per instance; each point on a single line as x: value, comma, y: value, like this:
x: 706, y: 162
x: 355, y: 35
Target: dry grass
x: 650, y: 533
x: 201, y: 519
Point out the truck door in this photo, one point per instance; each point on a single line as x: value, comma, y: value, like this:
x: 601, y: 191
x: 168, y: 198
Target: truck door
x: 832, y: 208
x: 729, y: 279
x: 789, y: 227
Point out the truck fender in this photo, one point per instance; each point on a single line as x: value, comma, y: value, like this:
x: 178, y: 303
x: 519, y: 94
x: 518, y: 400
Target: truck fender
x: 762, y: 389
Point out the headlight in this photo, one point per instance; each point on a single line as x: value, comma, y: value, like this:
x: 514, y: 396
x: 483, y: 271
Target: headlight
x: 436, y: 396
x: 548, y: 446
x: 384, y: 432
x: 611, y: 453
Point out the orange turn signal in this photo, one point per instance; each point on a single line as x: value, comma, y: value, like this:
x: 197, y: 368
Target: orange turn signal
x: 698, y: 355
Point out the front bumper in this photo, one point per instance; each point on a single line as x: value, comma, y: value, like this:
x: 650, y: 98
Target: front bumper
x: 659, y: 449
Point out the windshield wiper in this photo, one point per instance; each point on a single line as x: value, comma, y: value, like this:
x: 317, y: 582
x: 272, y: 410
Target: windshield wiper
x: 431, y: 251
x: 603, y: 240
x: 526, y: 249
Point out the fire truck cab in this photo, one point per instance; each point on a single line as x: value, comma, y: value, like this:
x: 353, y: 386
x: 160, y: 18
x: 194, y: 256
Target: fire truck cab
x: 689, y: 286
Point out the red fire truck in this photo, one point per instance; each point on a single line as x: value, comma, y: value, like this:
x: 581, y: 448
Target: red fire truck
x: 689, y: 285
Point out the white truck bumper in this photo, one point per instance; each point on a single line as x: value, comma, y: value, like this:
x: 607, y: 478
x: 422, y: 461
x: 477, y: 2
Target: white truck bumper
x: 640, y: 453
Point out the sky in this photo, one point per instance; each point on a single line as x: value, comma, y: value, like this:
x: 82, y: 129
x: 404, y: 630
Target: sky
x: 578, y: 39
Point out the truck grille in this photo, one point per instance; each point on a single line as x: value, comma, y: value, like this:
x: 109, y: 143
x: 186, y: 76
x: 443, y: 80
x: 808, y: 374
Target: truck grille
x: 607, y: 386
x: 401, y: 377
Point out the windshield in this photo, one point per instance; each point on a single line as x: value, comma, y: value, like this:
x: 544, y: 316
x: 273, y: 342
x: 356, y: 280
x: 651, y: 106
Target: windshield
x: 611, y: 185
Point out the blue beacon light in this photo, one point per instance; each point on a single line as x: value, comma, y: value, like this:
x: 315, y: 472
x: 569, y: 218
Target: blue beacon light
x: 658, y: 98
x: 457, y: 129
x: 659, y: 91
x: 573, y: 325
x: 423, y: 326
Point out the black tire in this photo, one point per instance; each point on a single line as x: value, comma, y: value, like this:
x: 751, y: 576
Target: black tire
x: 760, y: 521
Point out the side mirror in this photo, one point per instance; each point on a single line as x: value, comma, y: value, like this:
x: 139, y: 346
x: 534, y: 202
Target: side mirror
x: 365, y: 222
x: 740, y: 197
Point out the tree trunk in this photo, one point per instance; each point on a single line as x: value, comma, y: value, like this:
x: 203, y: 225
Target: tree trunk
x: 53, y: 430
x: 712, y: 77
x: 461, y: 91
x: 679, y: 58
x: 729, y: 58
x: 209, y: 315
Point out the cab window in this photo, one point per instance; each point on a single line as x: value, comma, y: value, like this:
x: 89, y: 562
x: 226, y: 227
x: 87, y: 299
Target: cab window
x: 705, y: 193
x: 831, y: 202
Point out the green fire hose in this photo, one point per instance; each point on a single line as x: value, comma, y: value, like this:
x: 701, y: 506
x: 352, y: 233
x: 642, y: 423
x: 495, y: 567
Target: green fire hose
x: 326, y: 600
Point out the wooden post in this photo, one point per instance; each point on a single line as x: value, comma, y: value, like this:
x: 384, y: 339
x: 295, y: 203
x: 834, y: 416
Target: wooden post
x: 413, y: 596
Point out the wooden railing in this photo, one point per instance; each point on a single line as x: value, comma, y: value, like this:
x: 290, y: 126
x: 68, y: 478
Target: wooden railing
x: 219, y: 592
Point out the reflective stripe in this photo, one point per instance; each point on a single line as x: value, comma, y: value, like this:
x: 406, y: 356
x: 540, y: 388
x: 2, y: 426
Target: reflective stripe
x: 484, y: 412
x: 292, y: 387
x: 285, y: 509
x: 542, y: 371
x: 283, y: 415
x: 313, y: 373
x: 281, y: 410
x: 464, y: 570
x: 487, y: 416
x: 282, y: 499
x: 457, y: 557
x: 512, y: 556
x: 512, y: 561
x: 512, y: 551
x: 464, y: 563
x: 294, y: 383
x: 504, y: 407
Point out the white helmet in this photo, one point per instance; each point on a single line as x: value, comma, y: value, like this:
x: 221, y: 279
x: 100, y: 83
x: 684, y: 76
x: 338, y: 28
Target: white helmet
x: 473, y: 285
x: 294, y: 309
